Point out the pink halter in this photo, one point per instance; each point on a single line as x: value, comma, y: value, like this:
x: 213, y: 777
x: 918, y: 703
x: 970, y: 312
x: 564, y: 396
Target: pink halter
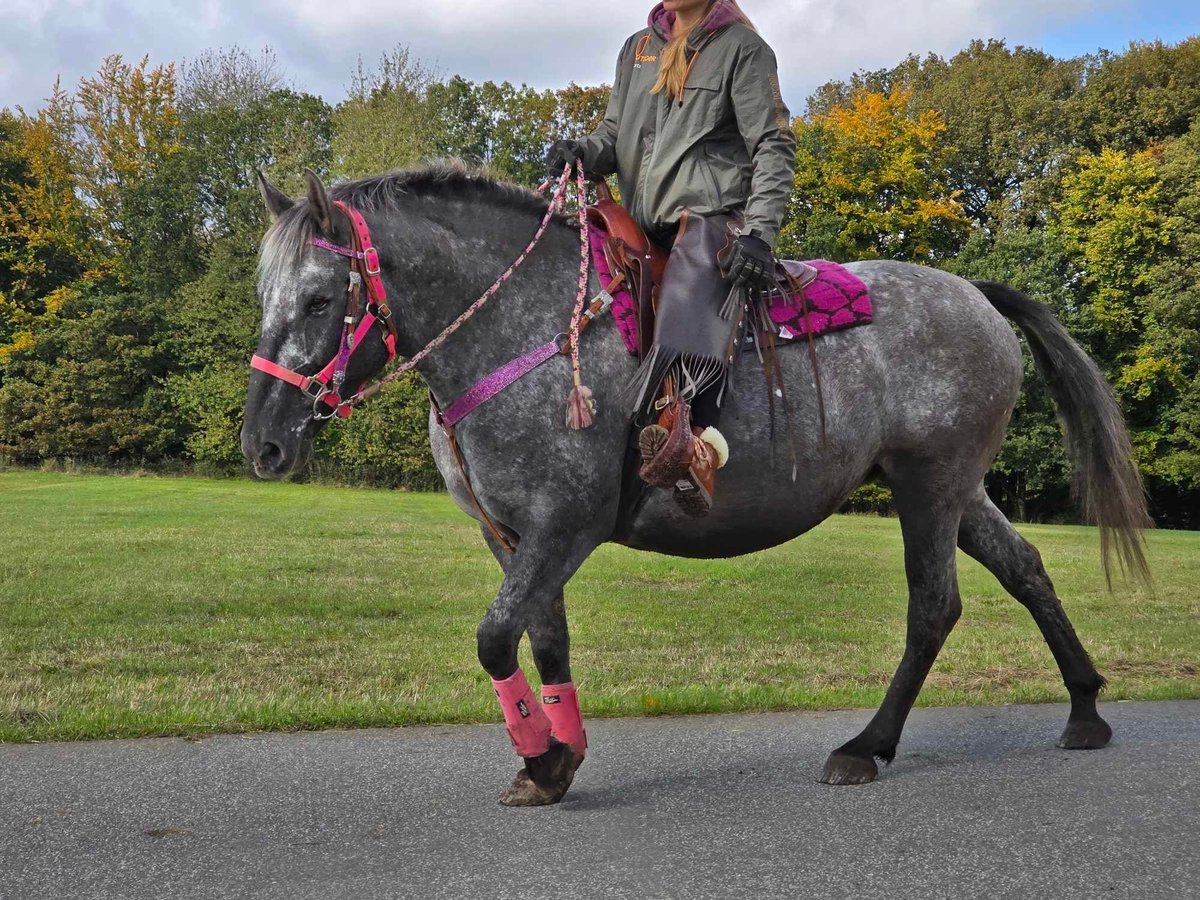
x: 364, y: 267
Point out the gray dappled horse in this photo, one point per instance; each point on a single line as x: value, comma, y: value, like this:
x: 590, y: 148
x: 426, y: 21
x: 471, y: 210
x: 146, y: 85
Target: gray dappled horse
x: 922, y: 398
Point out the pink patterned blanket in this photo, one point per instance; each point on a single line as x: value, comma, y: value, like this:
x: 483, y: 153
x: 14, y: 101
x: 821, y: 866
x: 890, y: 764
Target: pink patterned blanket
x: 836, y: 300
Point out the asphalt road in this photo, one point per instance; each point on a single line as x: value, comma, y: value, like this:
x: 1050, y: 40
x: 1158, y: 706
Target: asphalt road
x: 979, y: 803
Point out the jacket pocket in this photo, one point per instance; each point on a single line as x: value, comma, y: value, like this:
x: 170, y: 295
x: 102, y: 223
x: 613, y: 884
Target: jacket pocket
x: 704, y: 103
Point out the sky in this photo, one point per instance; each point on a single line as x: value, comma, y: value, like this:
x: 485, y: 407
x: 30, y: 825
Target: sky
x: 544, y: 43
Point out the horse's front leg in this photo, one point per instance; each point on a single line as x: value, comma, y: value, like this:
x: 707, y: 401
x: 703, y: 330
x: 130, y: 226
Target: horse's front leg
x: 551, y: 644
x: 550, y: 737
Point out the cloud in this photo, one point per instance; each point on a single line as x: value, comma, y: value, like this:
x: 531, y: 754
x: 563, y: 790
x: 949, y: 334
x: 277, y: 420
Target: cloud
x: 531, y: 41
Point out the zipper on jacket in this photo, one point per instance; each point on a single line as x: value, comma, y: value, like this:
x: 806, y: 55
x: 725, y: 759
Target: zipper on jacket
x: 686, y: 75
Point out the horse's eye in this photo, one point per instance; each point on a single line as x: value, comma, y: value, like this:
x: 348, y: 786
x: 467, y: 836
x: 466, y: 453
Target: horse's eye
x: 318, y: 306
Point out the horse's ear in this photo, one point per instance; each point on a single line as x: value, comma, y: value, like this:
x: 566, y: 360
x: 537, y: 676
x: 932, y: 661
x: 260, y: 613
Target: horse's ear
x: 277, y: 201
x: 318, y: 200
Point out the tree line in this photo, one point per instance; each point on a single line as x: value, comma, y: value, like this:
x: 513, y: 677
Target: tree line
x: 130, y: 219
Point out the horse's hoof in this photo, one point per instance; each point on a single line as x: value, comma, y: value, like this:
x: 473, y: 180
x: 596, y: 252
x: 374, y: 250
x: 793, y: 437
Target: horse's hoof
x: 842, y: 768
x: 523, y: 792
x: 553, y: 771
x: 1085, y: 735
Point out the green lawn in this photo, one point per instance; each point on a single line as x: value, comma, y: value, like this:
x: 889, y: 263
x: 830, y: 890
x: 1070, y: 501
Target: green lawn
x: 132, y: 606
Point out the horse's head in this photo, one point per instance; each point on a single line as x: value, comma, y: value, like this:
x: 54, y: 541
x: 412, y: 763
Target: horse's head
x: 304, y: 291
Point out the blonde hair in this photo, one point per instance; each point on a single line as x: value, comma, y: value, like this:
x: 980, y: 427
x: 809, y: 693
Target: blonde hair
x: 673, y: 64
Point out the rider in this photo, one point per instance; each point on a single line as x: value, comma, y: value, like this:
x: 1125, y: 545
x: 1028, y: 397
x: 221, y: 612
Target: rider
x: 696, y: 121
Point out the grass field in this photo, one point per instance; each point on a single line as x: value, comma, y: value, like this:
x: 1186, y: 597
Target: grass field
x: 135, y: 606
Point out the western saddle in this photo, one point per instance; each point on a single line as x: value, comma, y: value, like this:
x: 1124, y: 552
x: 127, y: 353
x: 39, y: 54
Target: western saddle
x: 632, y: 258
x: 639, y: 264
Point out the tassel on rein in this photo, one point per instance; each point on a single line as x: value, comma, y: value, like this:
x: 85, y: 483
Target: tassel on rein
x: 580, y: 408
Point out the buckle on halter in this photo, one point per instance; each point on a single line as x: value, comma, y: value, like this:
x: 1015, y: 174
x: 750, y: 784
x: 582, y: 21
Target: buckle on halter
x: 315, y: 390
x: 371, y: 261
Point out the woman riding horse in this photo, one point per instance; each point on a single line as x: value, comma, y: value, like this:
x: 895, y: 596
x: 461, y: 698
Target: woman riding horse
x: 696, y: 126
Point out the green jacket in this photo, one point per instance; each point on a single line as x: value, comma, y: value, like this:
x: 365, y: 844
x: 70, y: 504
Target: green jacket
x: 727, y: 146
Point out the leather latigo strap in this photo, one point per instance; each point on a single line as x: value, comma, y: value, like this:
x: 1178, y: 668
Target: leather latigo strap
x: 500, y: 536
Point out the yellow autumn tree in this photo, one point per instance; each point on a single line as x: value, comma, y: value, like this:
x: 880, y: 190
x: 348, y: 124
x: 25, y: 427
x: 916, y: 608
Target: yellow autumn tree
x: 44, y: 239
x: 130, y: 145
x: 871, y: 183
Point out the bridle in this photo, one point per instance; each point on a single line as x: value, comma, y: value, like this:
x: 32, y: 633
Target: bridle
x: 361, y: 315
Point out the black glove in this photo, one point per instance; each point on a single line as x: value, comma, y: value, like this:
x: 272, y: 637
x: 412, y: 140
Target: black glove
x: 561, y: 153
x: 750, y: 262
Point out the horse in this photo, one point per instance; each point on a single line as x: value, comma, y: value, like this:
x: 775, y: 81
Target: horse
x: 921, y: 398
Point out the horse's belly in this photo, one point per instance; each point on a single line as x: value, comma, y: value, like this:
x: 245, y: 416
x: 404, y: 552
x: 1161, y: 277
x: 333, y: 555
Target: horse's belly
x: 661, y: 528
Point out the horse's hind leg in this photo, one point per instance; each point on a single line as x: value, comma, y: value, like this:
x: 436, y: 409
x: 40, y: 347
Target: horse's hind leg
x: 986, y: 535
x: 929, y: 521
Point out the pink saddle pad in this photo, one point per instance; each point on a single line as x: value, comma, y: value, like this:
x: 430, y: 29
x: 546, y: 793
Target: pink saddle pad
x: 836, y: 300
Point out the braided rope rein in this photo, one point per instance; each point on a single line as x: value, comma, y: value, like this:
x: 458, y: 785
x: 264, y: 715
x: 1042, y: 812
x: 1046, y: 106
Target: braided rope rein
x: 580, y: 403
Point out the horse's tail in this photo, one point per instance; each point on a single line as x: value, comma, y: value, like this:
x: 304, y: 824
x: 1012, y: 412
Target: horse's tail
x: 1106, y: 480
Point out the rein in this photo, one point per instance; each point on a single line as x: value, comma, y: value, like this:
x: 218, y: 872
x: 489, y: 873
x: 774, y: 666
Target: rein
x: 325, y: 387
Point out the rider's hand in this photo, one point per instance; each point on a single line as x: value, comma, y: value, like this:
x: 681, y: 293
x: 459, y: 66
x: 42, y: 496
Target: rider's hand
x: 751, y: 262
x: 562, y: 153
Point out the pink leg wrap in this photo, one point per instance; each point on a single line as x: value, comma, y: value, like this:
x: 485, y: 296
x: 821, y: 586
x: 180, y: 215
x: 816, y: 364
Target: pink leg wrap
x: 562, y: 707
x: 527, y: 723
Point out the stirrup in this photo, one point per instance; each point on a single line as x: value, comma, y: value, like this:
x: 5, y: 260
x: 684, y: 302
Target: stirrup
x: 691, y: 495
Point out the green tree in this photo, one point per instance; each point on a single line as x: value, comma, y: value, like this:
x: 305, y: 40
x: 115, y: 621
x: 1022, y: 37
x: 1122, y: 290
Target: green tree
x: 1110, y: 222
x: 387, y: 122
x: 1133, y: 100
x: 464, y: 126
x: 89, y: 387
x: 135, y: 176
x: 1167, y: 365
x: 45, y: 241
x: 1006, y: 125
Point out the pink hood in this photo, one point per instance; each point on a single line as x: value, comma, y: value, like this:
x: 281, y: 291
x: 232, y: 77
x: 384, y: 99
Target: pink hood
x: 722, y: 15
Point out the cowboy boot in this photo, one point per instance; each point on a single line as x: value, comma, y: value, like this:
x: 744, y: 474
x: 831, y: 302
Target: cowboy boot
x: 677, y: 455
x: 666, y: 446
x: 694, y: 491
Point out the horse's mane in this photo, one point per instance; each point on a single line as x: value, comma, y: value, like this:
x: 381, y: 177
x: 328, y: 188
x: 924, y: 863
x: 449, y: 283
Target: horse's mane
x: 451, y: 180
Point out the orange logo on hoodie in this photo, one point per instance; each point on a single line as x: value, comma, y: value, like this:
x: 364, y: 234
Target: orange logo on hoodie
x: 639, y: 54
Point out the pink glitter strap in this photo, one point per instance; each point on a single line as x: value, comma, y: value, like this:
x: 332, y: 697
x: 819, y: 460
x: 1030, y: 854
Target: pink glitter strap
x: 491, y: 385
x: 527, y: 723
x: 336, y: 248
x: 561, y: 702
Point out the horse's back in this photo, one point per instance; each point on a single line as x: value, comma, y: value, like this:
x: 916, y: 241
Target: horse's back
x: 953, y: 364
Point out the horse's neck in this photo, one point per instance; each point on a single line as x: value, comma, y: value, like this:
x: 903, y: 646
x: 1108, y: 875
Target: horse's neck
x: 528, y: 310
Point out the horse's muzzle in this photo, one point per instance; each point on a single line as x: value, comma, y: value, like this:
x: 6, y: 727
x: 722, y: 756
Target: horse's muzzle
x: 271, y: 458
